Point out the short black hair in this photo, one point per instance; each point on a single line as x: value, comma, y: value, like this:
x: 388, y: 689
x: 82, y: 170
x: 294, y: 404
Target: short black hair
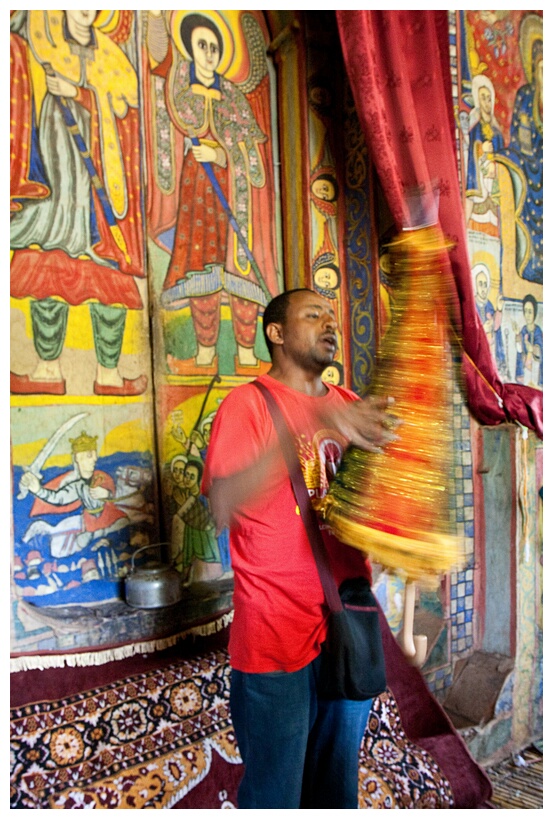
x: 275, y: 312
x: 192, y: 21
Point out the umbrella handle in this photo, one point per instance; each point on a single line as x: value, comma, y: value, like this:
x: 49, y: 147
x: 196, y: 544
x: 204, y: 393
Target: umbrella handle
x: 413, y: 646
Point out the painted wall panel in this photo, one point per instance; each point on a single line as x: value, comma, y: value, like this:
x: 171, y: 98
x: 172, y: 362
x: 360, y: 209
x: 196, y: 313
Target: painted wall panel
x: 82, y: 428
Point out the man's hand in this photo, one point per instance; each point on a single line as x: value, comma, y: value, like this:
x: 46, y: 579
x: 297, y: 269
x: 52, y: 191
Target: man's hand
x: 30, y: 481
x: 99, y: 493
x: 60, y: 87
x: 204, y: 153
x: 367, y: 424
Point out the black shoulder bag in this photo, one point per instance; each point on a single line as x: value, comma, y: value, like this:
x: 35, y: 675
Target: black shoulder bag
x: 352, y: 664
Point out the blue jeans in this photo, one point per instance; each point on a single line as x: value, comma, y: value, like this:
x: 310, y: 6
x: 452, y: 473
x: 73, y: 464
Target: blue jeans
x: 298, y: 750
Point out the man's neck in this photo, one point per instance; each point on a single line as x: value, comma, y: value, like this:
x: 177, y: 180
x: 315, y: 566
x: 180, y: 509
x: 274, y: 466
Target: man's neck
x: 299, y: 379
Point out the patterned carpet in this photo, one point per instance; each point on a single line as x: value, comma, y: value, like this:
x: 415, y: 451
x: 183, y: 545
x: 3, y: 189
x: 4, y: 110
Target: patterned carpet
x: 164, y: 739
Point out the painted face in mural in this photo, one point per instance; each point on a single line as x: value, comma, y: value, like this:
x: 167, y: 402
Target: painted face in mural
x: 177, y: 471
x: 481, y: 287
x: 324, y: 189
x: 485, y: 104
x: 539, y: 75
x: 191, y: 477
x: 529, y: 314
x: 79, y: 23
x: 86, y: 461
x: 326, y: 277
x: 331, y: 375
x: 206, y: 52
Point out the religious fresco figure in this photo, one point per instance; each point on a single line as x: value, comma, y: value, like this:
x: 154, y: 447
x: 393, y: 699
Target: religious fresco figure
x: 223, y: 248
x: 74, y: 526
x: 484, y: 140
x: 504, y: 172
x: 180, y: 480
x: 529, y: 346
x: 490, y: 316
x: 194, y: 547
x: 85, y: 487
x: 523, y: 157
x: 77, y: 237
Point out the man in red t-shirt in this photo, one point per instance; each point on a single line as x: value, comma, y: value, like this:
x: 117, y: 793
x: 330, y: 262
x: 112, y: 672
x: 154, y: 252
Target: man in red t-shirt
x: 297, y: 749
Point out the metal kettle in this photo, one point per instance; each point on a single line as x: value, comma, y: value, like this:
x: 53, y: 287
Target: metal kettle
x: 152, y: 586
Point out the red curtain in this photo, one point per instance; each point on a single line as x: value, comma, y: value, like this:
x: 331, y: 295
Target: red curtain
x: 398, y: 67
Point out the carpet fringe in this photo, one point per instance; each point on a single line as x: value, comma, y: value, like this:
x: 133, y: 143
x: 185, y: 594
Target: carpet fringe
x: 89, y: 658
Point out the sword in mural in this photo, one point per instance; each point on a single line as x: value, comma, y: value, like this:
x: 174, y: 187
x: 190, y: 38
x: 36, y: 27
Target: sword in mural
x: 47, y: 450
x: 95, y: 180
x: 231, y: 217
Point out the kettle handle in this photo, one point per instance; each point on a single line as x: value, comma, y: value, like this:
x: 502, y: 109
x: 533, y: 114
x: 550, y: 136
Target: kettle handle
x: 141, y: 549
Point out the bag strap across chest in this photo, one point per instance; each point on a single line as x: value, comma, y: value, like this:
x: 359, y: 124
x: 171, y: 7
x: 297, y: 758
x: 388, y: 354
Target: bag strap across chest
x: 308, y: 514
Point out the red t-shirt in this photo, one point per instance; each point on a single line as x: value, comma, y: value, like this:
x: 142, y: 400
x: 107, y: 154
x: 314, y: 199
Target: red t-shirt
x: 279, y: 615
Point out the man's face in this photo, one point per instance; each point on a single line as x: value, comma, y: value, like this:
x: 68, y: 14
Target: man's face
x: 178, y: 472
x: 324, y: 189
x: 539, y: 74
x: 482, y: 287
x: 309, y: 332
x: 190, y: 477
x: 81, y: 17
x: 326, y: 277
x: 485, y: 103
x: 205, y: 49
x: 86, y: 461
x: 529, y: 313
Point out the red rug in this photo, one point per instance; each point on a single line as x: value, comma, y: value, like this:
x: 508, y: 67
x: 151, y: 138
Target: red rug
x: 162, y: 738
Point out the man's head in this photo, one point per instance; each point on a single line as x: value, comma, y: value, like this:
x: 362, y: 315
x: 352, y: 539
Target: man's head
x: 178, y: 466
x: 202, y: 40
x: 485, y: 103
x: 325, y: 187
x: 300, y: 325
x: 483, y: 94
x: 530, y: 309
x: 84, y: 451
x: 327, y: 277
x: 193, y: 474
x: 481, y: 282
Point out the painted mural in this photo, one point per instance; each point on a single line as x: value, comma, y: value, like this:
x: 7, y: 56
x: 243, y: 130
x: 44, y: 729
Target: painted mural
x: 142, y: 181
x: 325, y: 195
x: 501, y: 122
x: 82, y: 441
x: 76, y: 231
x: 212, y: 175
x: 213, y: 241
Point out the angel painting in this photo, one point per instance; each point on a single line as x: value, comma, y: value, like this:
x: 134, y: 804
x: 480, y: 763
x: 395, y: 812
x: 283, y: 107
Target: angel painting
x: 76, y: 222
x: 212, y: 134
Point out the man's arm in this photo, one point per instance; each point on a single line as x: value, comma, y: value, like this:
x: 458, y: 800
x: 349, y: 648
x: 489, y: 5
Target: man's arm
x: 226, y: 494
x: 367, y: 424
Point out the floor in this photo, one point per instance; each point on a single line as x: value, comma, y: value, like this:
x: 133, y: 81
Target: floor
x: 518, y: 782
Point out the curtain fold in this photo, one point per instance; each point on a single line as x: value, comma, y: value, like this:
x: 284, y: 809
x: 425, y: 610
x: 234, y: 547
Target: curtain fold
x: 399, y: 72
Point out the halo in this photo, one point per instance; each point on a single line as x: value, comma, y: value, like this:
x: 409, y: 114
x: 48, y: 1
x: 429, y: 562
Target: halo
x: 228, y: 41
x: 531, y: 29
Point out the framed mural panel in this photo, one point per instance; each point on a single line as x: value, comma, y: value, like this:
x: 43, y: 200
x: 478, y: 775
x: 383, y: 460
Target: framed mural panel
x: 500, y: 115
x: 84, y: 488
x: 213, y: 233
